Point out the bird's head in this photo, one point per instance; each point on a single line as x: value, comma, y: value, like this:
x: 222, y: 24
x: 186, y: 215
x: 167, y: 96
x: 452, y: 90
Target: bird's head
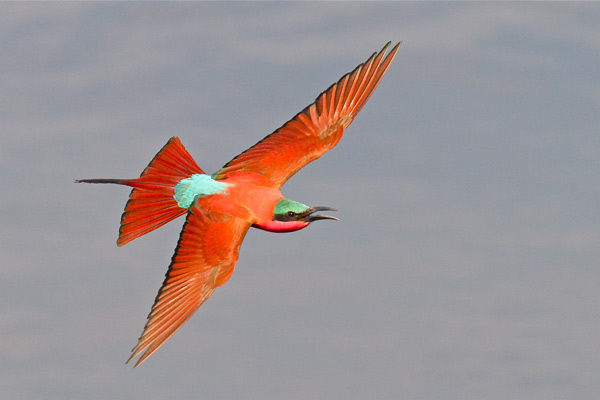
x: 289, y: 216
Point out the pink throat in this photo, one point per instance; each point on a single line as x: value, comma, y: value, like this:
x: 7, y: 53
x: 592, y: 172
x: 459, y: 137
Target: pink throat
x: 282, y: 226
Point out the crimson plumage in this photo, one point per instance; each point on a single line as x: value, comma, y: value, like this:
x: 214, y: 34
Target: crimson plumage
x: 246, y: 192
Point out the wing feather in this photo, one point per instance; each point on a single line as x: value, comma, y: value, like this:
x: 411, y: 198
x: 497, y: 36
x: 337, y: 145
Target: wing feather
x: 317, y: 128
x: 205, y: 256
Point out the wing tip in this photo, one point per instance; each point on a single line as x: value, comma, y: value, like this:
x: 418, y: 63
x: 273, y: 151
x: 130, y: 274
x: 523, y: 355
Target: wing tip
x: 134, y: 355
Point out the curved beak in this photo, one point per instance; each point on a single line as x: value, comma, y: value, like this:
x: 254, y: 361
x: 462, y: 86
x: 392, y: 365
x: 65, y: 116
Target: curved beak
x: 311, y: 216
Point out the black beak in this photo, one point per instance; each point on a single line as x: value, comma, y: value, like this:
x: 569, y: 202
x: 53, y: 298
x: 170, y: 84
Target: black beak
x: 310, y: 216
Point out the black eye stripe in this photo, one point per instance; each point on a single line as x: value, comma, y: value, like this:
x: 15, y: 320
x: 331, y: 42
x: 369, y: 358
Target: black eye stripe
x: 286, y: 216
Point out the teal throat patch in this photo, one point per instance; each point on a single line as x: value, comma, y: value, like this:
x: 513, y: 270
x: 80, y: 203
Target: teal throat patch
x: 198, y: 185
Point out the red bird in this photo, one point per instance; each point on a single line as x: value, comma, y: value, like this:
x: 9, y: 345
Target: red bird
x: 245, y: 193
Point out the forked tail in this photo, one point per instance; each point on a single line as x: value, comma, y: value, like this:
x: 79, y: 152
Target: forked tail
x: 151, y: 203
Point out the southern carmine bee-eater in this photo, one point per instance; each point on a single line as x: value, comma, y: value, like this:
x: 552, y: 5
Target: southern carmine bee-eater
x: 245, y: 193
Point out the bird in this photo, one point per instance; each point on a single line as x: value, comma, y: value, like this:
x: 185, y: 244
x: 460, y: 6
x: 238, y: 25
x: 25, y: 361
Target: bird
x: 244, y: 193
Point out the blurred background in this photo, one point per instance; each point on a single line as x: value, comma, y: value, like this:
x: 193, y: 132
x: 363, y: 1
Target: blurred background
x: 465, y: 262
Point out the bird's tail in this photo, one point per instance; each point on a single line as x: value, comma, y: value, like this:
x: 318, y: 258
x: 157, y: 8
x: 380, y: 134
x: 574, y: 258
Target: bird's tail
x: 151, y: 203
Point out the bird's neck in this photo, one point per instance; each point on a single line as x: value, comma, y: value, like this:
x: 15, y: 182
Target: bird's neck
x: 281, y: 226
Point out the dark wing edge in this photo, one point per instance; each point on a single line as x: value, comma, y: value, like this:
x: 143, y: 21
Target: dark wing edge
x: 204, y: 259
x: 317, y: 128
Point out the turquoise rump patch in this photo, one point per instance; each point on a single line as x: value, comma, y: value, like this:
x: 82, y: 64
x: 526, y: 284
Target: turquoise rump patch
x: 198, y: 185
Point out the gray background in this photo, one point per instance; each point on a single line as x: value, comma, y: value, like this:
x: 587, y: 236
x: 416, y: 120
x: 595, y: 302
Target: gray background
x: 465, y: 264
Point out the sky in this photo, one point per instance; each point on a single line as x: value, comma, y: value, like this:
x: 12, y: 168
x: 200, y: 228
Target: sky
x: 465, y: 264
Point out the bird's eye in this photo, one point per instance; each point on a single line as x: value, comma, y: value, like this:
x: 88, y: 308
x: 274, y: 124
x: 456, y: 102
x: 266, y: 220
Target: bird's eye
x: 291, y: 214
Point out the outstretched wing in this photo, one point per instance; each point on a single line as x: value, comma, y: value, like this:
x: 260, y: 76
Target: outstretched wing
x: 205, y: 256
x: 317, y: 128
